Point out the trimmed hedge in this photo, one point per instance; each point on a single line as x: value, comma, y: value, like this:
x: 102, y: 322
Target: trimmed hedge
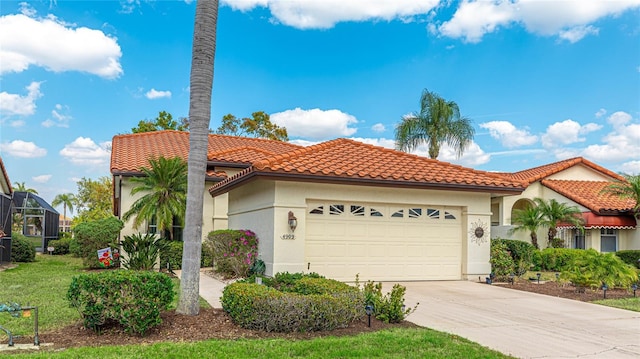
x: 522, y: 255
x: 134, y: 299
x: 260, y: 307
x: 61, y: 246
x: 21, y: 249
x: 173, y: 256
x: 559, y: 259
x: 95, y: 235
x: 630, y: 256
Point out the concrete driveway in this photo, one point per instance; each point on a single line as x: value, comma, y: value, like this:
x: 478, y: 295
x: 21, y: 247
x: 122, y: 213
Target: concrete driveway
x: 523, y: 324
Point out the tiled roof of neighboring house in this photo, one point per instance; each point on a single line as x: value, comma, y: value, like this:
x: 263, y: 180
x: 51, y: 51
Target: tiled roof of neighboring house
x: 537, y: 173
x: 343, y: 160
x: 6, y: 177
x: 589, y: 194
x: 131, y: 152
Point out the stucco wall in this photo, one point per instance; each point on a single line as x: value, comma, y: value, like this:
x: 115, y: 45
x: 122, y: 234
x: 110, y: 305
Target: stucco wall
x: 263, y: 205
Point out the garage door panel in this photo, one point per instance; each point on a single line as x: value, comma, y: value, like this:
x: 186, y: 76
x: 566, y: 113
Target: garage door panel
x: 382, y: 247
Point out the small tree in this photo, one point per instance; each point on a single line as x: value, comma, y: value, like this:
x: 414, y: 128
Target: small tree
x: 95, y: 235
x: 259, y: 125
x: 66, y: 200
x: 554, y: 212
x: 628, y: 189
x: 164, y: 121
x: 528, y: 219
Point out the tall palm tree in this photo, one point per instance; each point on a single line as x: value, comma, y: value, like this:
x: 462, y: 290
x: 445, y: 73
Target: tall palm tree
x: 21, y: 187
x: 628, y: 189
x: 164, y: 185
x: 528, y: 219
x: 555, y: 212
x: 437, y: 122
x: 201, y: 82
x: 66, y: 200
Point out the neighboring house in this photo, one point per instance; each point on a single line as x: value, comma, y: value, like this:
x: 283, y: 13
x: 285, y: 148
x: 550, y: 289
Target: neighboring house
x: 6, y: 191
x: 65, y: 224
x: 609, y: 222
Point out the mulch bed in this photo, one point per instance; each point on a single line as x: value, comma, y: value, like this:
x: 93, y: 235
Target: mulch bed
x: 566, y: 290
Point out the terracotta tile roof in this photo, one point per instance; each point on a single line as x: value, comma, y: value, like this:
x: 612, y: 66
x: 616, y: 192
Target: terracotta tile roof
x: 537, y: 173
x: 131, y: 151
x: 6, y: 177
x: 348, y: 160
x: 588, y: 194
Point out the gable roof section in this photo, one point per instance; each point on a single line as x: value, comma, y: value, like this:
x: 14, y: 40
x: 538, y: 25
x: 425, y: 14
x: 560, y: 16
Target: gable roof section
x: 538, y: 173
x: 348, y: 161
x: 589, y: 194
x: 130, y: 152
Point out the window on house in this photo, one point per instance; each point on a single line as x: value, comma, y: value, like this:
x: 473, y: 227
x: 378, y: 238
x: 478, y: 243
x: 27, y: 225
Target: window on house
x: 608, y: 240
x: 448, y: 215
x: 433, y: 213
x: 357, y: 210
x: 578, y: 241
x: 317, y: 210
x: 415, y: 212
x: 398, y: 214
x: 176, y: 231
x: 374, y: 212
x: 336, y: 209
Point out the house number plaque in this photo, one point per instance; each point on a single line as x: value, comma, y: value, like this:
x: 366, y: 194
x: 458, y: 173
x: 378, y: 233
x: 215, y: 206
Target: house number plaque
x: 288, y: 236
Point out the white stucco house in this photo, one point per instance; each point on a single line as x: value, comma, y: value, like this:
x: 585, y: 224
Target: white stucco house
x: 359, y: 209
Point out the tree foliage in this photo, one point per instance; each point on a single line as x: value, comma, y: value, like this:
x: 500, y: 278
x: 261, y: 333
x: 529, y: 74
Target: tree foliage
x: 259, y: 125
x: 528, y: 219
x: 627, y: 189
x: 438, y: 122
x: 164, y: 121
x: 94, y: 199
x: 21, y: 187
x: 164, y: 185
x: 554, y: 213
x: 66, y: 200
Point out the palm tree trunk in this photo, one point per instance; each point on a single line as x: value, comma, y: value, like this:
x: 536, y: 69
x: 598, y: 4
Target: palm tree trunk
x: 201, y: 81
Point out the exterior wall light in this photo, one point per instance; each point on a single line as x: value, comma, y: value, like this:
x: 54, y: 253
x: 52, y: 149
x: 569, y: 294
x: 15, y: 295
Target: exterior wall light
x: 292, y: 221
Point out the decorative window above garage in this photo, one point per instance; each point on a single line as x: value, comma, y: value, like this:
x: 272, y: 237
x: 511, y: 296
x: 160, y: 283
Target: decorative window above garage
x: 385, y: 213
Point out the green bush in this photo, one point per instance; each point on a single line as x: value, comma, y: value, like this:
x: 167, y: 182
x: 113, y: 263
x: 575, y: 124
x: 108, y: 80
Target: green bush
x: 142, y: 251
x: 60, y: 246
x: 134, y: 299
x: 173, y: 256
x: 592, y: 269
x: 557, y: 243
x: 95, y: 235
x: 521, y: 252
x: 74, y: 248
x: 502, y: 264
x: 261, y: 307
x: 559, y: 259
x: 232, y: 251
x: 631, y: 257
x: 21, y: 248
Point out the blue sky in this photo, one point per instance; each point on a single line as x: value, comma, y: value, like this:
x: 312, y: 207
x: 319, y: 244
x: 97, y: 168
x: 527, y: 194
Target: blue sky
x: 541, y: 80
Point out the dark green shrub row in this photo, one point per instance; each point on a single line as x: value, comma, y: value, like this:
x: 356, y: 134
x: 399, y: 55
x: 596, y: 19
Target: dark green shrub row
x: 134, y: 299
x: 172, y: 255
x: 631, y: 257
x: 260, y: 307
x: 592, y: 269
x: 21, y: 248
x: 559, y: 259
x: 283, y: 281
x: 522, y: 255
x: 60, y: 246
x: 95, y: 235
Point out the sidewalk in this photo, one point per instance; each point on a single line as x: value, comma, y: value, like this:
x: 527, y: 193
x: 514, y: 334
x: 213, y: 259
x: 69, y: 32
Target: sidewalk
x: 210, y: 288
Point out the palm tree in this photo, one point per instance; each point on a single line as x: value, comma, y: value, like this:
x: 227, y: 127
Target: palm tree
x: 628, y: 189
x: 21, y: 187
x: 201, y: 82
x: 438, y: 121
x: 66, y: 200
x: 165, y: 188
x: 528, y: 219
x: 555, y: 212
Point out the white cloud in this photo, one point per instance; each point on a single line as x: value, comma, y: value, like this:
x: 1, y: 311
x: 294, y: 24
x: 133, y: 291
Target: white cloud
x: 13, y: 104
x: 17, y: 123
x: 324, y: 14
x: 601, y: 112
x: 315, y: 124
x: 473, y: 155
x: 381, y: 142
x: 568, y: 19
x: 577, y: 33
x: 619, y: 119
x: 41, y: 178
x: 56, y: 46
x: 59, y: 118
x: 84, y: 151
x: 23, y: 149
x: 566, y: 132
x: 623, y: 143
x: 155, y: 94
x: 508, y: 135
x: 631, y: 167
x: 378, y: 127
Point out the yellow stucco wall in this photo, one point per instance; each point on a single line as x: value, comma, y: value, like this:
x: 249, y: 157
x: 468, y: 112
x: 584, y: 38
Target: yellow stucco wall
x: 263, y: 206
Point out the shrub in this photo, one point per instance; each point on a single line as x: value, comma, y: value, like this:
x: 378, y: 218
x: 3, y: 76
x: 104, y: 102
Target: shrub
x: 134, y: 299
x: 556, y: 243
x: 521, y: 252
x: 593, y: 269
x: 142, y: 251
x: 232, y: 251
x: 95, y: 235
x: 631, y: 257
x: 60, y: 246
x: 261, y: 307
x: 559, y: 259
x: 501, y: 262
x: 172, y: 255
x: 21, y: 248
x: 389, y: 307
x: 74, y: 248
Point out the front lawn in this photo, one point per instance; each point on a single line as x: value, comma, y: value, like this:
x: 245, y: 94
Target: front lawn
x: 624, y: 303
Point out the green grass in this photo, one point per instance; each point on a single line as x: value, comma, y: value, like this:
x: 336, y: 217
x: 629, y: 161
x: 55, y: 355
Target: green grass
x: 36, y: 242
x: 625, y: 303
x: 396, y: 343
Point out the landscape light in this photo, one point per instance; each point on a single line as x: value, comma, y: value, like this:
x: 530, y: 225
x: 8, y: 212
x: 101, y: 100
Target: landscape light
x: 512, y: 278
x: 369, y: 310
x: 557, y: 276
x: 604, y: 290
x: 538, y: 275
x: 634, y: 287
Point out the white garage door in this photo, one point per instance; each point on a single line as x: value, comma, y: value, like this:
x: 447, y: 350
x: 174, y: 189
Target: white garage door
x: 383, y: 242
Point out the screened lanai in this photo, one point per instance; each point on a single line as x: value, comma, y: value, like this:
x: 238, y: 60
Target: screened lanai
x: 38, y: 220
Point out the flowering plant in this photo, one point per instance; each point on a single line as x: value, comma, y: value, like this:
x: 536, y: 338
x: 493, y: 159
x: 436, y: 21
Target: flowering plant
x: 233, y: 251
